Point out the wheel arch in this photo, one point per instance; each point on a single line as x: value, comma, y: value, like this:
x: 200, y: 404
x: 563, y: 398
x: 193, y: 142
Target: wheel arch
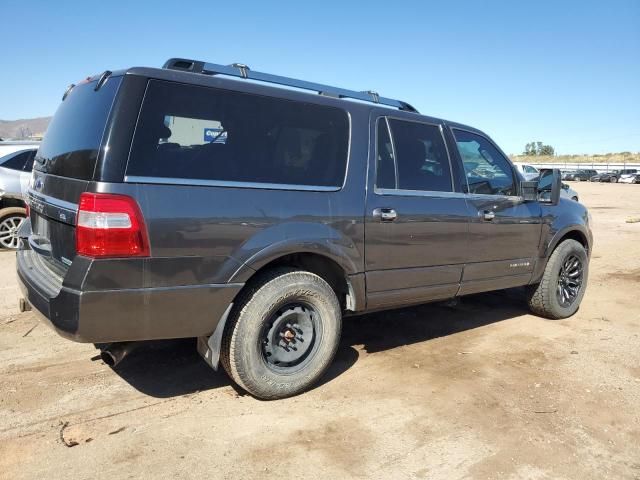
x: 349, y: 288
x: 333, y: 270
x: 573, y: 232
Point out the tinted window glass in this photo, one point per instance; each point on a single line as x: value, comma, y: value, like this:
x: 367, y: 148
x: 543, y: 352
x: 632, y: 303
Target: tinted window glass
x: 546, y: 179
x: 71, y: 144
x: 385, y: 167
x: 202, y: 133
x: 421, y: 157
x: 16, y: 161
x: 487, y: 170
x: 28, y: 166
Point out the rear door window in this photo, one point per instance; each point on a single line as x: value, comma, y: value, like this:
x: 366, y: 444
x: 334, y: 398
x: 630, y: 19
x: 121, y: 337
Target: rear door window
x: 72, y: 141
x: 206, y: 134
x: 416, y: 158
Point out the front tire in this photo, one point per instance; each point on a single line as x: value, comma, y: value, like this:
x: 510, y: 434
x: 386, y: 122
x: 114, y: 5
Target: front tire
x: 559, y: 293
x: 282, y: 334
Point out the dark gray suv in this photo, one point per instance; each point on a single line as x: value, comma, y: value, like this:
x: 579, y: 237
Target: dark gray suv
x: 199, y: 200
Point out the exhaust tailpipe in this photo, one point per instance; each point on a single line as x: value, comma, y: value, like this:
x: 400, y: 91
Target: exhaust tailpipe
x: 114, y: 353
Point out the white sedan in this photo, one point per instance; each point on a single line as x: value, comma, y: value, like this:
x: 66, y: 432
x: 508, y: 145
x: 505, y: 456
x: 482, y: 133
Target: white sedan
x: 629, y: 178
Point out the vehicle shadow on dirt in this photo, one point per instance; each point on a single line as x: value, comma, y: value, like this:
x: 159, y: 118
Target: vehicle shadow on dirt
x: 171, y: 368
x: 387, y: 330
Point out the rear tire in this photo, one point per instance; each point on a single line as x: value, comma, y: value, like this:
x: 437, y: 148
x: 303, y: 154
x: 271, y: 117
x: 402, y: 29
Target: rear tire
x: 613, y: 180
x: 282, y: 333
x: 10, y: 220
x: 559, y: 293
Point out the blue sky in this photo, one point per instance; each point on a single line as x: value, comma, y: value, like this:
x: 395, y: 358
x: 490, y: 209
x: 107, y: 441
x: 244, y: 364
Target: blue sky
x: 566, y: 73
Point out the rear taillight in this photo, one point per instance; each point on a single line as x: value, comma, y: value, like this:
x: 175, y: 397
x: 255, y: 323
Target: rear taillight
x: 110, y: 225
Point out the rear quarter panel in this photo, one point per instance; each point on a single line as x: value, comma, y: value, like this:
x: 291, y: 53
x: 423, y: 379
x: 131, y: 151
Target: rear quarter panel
x: 220, y: 234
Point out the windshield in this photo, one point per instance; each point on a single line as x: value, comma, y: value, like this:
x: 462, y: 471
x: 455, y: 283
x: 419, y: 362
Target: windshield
x: 72, y: 141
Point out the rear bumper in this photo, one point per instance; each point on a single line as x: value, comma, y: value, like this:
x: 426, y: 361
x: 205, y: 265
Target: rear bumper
x: 101, y: 316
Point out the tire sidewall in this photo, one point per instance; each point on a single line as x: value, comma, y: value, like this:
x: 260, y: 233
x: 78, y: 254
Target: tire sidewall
x: 566, y: 249
x: 251, y: 367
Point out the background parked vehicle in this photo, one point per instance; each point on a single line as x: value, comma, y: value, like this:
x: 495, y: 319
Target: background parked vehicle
x: 568, y: 192
x: 580, y: 175
x: 10, y: 146
x: 628, y: 176
x: 611, y: 177
x: 15, y: 171
x: 529, y: 172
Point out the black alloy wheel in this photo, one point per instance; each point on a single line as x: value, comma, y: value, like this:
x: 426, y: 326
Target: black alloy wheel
x: 569, y: 281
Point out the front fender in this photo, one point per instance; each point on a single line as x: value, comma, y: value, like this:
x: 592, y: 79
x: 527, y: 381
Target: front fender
x: 568, y: 218
x: 563, y: 232
x: 561, y: 219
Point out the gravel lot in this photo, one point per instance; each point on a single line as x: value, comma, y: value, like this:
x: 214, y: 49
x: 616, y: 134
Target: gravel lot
x: 480, y: 390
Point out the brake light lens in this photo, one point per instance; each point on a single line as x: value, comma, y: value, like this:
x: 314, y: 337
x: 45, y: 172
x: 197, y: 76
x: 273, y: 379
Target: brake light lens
x: 110, y: 225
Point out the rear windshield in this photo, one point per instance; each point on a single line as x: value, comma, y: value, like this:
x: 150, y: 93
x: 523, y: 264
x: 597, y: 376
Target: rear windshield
x: 72, y: 142
x: 201, y: 133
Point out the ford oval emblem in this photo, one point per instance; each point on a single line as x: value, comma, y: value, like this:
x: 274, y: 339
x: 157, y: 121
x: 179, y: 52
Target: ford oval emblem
x: 39, y: 184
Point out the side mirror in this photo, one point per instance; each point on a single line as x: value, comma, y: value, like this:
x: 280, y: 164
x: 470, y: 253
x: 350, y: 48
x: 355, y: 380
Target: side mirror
x: 549, y: 186
x: 529, y: 190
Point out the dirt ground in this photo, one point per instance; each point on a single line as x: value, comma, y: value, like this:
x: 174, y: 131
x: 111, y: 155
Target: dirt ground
x: 480, y: 390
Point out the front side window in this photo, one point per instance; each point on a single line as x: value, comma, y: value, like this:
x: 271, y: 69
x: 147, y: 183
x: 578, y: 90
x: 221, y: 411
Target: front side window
x: 487, y: 170
x: 202, y: 133
x: 421, y: 161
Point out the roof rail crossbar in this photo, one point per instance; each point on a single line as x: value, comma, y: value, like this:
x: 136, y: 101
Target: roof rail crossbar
x: 243, y: 71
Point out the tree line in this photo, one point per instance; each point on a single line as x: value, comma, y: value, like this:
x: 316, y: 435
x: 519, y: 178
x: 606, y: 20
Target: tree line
x: 538, y: 149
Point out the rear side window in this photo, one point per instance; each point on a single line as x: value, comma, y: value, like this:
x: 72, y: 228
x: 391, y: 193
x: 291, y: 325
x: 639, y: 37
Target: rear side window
x: 416, y: 158
x: 385, y: 163
x: 22, y: 161
x: 72, y: 141
x: 201, y: 133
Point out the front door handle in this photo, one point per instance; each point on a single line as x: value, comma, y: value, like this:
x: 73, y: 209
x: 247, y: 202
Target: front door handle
x: 385, y: 214
x: 488, y: 215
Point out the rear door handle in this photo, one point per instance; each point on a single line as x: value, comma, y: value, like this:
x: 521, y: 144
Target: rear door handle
x: 385, y: 214
x: 488, y: 215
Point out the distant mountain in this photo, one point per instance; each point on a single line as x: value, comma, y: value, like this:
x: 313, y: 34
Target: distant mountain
x: 18, y: 129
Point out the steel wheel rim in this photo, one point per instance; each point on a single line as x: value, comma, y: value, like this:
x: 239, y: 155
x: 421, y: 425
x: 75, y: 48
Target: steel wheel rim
x: 570, y: 280
x: 9, y: 232
x: 290, y: 337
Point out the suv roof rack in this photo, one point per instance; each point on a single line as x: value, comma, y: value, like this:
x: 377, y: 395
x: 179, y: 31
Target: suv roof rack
x: 242, y: 71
